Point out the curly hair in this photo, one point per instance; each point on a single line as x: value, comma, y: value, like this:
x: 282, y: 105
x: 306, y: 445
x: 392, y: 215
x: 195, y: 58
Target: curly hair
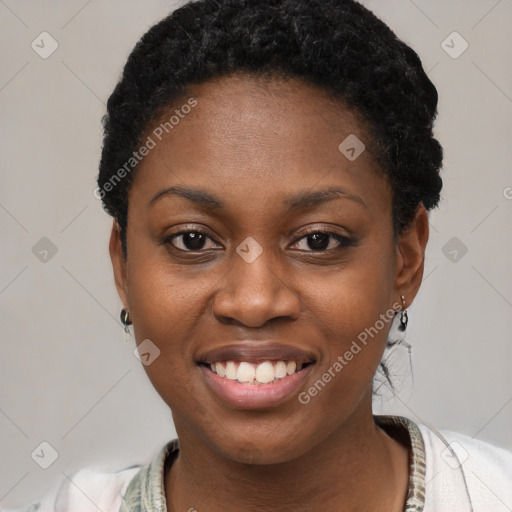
x: 336, y: 45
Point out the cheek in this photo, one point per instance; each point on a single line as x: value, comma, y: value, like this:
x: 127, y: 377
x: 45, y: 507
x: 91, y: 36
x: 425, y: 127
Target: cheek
x: 167, y: 303
x: 354, y: 307
x: 170, y: 306
x: 354, y: 295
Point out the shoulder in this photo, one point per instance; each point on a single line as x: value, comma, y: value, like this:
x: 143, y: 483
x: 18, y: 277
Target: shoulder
x: 90, y: 490
x: 454, y: 449
x: 460, y: 469
x: 87, y: 490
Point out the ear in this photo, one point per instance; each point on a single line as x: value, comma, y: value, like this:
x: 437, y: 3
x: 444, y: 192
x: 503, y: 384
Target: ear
x: 119, y: 263
x: 410, y: 259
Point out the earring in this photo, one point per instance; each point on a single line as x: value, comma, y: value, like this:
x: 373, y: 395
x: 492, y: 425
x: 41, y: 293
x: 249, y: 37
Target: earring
x: 125, y: 319
x: 404, y: 318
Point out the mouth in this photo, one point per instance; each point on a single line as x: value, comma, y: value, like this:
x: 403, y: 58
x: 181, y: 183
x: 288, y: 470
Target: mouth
x: 245, y: 372
x: 255, y: 376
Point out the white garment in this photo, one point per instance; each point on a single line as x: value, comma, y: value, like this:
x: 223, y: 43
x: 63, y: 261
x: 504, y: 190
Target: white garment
x: 485, y: 470
x: 466, y: 476
x: 87, y: 491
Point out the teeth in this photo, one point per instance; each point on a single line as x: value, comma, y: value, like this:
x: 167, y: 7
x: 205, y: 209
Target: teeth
x: 280, y: 369
x: 291, y: 366
x: 263, y: 373
x: 221, y: 372
x: 231, y: 370
x: 246, y: 372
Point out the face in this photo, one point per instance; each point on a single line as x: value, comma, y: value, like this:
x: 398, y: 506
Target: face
x: 258, y: 252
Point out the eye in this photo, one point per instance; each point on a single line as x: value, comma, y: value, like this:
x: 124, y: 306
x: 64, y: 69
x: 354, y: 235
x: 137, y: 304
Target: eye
x: 324, y: 241
x: 189, y: 241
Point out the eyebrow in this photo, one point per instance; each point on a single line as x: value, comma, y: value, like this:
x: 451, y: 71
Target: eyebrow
x: 196, y: 195
x: 302, y: 200
x: 308, y: 199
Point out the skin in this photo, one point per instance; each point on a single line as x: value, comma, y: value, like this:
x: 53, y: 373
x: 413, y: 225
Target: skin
x: 252, y: 142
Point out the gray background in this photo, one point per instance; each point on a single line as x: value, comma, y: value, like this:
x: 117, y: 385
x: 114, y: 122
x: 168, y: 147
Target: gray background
x: 68, y: 375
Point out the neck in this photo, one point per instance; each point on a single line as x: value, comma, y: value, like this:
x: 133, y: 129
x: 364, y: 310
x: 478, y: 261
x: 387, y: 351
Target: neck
x: 358, y: 466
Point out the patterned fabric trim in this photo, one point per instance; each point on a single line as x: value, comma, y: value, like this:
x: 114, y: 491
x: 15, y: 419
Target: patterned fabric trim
x: 145, y: 493
x: 417, y: 466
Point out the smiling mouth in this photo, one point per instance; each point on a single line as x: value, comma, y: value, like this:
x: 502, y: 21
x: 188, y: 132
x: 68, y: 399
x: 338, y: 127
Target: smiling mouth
x: 256, y: 374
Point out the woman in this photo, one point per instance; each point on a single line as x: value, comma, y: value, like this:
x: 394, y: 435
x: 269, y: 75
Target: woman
x: 269, y: 166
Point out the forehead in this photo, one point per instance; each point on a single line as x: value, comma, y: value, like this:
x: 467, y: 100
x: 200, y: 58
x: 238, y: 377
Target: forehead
x: 246, y: 111
x: 252, y: 137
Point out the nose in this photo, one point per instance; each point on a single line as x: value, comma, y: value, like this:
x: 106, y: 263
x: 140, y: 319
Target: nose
x: 253, y: 293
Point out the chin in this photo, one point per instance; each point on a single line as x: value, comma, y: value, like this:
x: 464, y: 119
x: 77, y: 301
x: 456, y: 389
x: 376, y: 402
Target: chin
x: 267, y: 446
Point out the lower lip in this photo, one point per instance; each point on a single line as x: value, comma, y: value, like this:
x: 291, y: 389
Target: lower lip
x: 255, y: 396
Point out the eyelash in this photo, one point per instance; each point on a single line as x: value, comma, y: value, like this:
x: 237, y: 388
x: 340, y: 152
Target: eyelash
x: 344, y: 241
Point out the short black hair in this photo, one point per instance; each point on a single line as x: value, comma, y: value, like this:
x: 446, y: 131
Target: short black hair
x: 337, y: 45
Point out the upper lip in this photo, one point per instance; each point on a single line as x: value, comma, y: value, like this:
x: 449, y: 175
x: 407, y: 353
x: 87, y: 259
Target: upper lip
x: 256, y: 352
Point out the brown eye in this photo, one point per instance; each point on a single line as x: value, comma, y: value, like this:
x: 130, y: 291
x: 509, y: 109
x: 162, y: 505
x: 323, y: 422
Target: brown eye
x: 318, y: 241
x: 189, y: 240
x: 323, y: 241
